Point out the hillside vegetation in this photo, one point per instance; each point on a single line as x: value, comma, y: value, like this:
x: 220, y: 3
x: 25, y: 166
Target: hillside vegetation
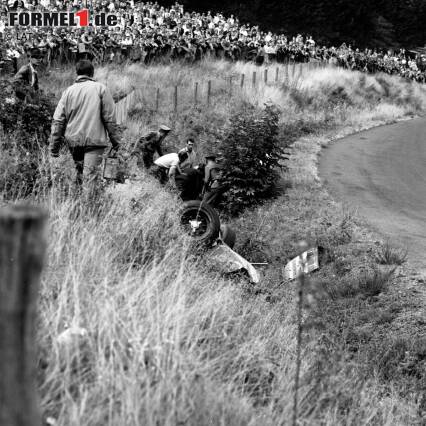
x: 170, y: 341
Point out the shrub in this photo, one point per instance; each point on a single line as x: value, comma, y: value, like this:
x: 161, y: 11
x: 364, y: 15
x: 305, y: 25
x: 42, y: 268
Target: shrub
x: 28, y: 120
x: 25, y: 127
x: 390, y: 255
x: 25, y: 170
x: 375, y: 282
x: 252, y: 156
x: 19, y: 168
x: 400, y: 357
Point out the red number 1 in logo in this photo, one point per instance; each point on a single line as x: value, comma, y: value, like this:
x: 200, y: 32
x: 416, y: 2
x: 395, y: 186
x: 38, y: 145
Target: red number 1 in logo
x: 83, y: 17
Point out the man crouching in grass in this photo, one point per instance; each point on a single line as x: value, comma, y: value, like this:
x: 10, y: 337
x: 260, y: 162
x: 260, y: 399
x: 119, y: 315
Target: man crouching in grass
x: 85, y: 118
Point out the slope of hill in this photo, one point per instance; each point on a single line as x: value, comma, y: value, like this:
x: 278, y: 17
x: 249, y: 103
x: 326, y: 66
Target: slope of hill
x: 169, y: 341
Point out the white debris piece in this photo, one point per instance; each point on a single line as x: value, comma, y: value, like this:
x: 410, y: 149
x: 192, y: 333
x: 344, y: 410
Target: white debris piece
x: 304, y: 263
x: 228, y: 261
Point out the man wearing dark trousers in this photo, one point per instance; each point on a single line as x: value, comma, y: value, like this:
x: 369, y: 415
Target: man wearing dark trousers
x: 26, y: 79
x: 85, y: 118
x: 150, y: 144
x: 213, y: 188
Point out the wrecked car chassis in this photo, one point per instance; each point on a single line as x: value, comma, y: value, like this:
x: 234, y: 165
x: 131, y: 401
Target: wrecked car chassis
x: 202, y: 223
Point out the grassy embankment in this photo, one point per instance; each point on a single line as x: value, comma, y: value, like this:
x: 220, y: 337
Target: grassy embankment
x: 172, y: 343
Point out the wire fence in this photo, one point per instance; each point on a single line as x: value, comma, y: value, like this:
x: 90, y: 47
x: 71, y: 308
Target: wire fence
x: 202, y: 93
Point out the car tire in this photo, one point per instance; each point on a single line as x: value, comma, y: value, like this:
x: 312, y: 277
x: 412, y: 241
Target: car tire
x: 200, y: 221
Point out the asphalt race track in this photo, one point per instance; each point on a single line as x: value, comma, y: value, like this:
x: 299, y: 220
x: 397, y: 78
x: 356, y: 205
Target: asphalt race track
x: 382, y: 173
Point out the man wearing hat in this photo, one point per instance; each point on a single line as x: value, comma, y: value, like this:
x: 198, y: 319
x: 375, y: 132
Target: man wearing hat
x: 150, y: 144
x: 213, y: 189
x: 26, y: 79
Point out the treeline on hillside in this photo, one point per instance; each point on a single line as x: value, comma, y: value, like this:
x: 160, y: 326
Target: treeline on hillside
x: 364, y: 23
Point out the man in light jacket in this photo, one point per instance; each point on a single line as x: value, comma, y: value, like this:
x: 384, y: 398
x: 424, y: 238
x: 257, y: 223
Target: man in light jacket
x: 85, y: 118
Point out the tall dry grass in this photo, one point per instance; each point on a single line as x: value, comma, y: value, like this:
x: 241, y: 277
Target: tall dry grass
x: 168, y: 340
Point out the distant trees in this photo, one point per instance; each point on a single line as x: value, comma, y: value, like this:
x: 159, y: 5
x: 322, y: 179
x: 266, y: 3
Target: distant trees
x: 382, y: 23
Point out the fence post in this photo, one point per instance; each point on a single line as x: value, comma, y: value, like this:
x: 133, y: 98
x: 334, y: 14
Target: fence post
x: 126, y: 107
x: 242, y: 80
x: 196, y: 93
x: 230, y: 85
x: 22, y: 248
x: 277, y: 71
x: 128, y: 102
x: 293, y: 71
x: 118, y: 112
x: 175, y: 99
x: 266, y: 75
x: 122, y: 112
x: 157, y: 100
x: 254, y: 78
x: 301, y: 282
x: 286, y: 71
x: 209, y: 91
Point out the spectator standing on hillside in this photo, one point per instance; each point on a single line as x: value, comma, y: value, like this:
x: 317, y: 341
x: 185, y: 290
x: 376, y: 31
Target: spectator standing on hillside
x: 26, y: 79
x: 150, y: 144
x: 85, y: 118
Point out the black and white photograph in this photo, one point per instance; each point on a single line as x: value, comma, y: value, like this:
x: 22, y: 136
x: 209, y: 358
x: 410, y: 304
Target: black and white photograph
x: 212, y: 213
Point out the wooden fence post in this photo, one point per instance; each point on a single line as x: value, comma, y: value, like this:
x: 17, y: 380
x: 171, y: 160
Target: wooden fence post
x: 130, y: 102
x: 118, y: 112
x: 117, y: 117
x: 175, y: 99
x: 243, y: 77
x: 196, y: 93
x: 230, y: 85
x: 157, y: 100
x: 209, y: 91
x: 286, y: 72
x: 126, y: 106
x: 302, y: 283
x: 277, y: 72
x: 122, y: 111
x: 22, y: 248
x: 293, y: 71
x: 266, y: 75
x: 254, y: 78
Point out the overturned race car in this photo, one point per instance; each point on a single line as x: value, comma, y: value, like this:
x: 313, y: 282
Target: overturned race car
x: 201, y: 222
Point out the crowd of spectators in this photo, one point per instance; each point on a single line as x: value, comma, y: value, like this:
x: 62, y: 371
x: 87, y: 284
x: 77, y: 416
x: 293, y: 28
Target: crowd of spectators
x: 148, y: 32
x: 407, y: 64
